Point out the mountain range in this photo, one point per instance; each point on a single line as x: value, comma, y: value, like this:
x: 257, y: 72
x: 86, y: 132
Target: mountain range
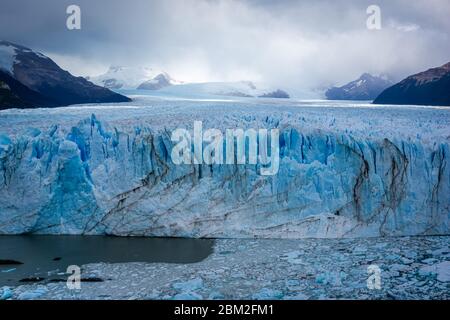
x: 124, y: 77
x: 31, y: 79
x: 143, y: 78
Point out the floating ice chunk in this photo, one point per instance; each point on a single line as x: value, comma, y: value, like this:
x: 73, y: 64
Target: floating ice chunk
x: 430, y: 261
x: 6, y: 293
x: 441, y: 270
x: 292, y: 282
x: 298, y: 296
x: 216, y: 295
x: 188, y: 286
x: 33, y: 294
x: 293, y: 257
x: 359, y: 250
x: 441, y: 251
x: 397, y: 267
x: 187, y: 296
x: 333, y: 278
x: 268, y: 294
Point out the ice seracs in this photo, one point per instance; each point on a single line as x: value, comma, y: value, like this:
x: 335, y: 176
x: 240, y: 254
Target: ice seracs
x: 343, y: 172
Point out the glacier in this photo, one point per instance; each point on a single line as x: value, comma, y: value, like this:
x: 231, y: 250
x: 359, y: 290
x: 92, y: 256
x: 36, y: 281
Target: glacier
x: 346, y: 170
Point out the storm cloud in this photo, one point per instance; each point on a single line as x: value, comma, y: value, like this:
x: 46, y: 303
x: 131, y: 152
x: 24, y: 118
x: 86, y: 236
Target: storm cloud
x: 297, y: 45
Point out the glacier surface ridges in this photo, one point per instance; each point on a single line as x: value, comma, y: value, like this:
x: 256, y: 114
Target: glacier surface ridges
x: 344, y: 172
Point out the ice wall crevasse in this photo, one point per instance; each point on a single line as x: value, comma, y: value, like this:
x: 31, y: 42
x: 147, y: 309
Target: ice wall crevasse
x: 96, y: 179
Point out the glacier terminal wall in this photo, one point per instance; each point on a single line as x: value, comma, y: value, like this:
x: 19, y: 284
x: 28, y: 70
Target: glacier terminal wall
x: 93, y: 177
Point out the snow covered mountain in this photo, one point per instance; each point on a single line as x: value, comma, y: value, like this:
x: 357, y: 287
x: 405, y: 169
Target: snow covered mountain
x: 431, y: 87
x: 343, y: 172
x: 366, y: 87
x: 119, y: 77
x: 238, y: 89
x: 36, y: 81
x: 123, y: 77
x: 158, y: 82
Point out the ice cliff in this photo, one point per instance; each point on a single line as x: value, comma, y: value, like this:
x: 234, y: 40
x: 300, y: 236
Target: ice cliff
x: 98, y: 175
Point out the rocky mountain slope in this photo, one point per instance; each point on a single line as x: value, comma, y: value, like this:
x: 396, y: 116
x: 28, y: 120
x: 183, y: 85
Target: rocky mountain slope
x: 366, y: 87
x: 39, y: 82
x: 124, y: 77
x: 431, y: 87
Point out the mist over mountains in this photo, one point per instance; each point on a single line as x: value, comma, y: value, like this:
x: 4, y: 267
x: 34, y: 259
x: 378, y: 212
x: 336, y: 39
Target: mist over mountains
x: 297, y: 46
x: 31, y: 79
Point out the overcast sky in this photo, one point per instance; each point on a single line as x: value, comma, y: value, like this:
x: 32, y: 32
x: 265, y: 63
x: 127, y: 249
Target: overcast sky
x: 291, y: 44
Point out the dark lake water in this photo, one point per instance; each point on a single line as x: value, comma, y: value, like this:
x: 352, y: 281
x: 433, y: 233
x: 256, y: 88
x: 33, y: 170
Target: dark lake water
x: 49, y: 256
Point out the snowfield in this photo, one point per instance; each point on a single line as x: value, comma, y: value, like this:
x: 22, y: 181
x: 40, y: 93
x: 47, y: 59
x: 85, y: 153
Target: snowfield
x: 346, y: 170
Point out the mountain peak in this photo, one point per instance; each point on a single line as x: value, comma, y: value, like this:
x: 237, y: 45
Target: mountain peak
x: 159, y: 81
x: 446, y: 66
x: 126, y: 77
x: 366, y: 87
x: 366, y: 75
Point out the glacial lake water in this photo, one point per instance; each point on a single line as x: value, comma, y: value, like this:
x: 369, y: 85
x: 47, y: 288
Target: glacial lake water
x: 47, y: 257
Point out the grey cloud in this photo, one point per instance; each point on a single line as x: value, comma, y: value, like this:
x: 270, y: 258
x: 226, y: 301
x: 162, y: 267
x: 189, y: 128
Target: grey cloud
x: 294, y: 44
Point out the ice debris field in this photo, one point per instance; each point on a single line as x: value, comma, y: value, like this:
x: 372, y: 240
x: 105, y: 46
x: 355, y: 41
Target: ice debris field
x: 305, y: 269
